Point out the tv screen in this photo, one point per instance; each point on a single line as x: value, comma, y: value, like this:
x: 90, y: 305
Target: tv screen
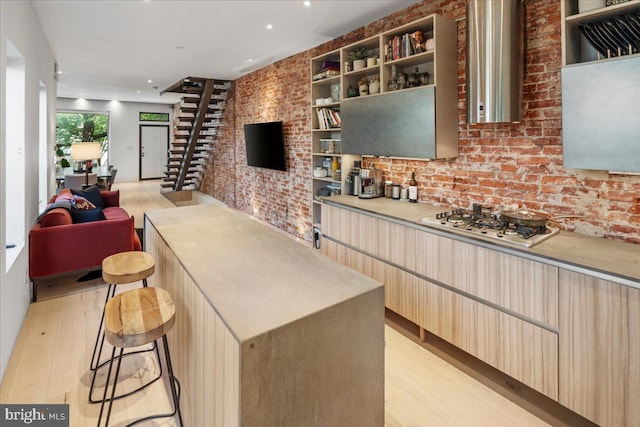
x: 265, y: 145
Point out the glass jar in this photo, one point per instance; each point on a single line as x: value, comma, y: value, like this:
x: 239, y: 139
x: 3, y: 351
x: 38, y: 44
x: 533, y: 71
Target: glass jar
x: 395, y: 191
x: 387, y: 189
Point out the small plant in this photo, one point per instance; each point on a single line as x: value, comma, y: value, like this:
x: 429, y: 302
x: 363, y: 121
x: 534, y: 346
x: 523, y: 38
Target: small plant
x: 357, y: 54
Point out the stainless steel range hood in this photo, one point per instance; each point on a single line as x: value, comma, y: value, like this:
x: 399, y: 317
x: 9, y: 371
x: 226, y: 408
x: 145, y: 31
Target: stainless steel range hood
x: 494, y: 60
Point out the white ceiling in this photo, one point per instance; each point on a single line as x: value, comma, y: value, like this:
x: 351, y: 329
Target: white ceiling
x: 110, y: 49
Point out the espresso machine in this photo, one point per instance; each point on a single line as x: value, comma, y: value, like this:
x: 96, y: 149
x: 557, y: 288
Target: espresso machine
x: 372, y: 183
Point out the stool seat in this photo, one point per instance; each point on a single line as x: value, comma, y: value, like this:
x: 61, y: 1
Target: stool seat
x: 139, y: 316
x: 127, y: 267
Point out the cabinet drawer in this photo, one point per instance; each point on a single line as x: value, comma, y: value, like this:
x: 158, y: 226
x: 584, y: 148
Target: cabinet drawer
x: 400, y: 287
x: 520, y: 349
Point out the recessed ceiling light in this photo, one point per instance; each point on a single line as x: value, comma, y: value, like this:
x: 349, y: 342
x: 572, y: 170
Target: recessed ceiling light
x: 250, y: 60
x: 138, y: 91
x: 269, y: 27
x: 149, y: 81
x: 307, y: 3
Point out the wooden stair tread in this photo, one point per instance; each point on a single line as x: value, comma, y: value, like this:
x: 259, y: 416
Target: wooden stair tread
x: 139, y: 316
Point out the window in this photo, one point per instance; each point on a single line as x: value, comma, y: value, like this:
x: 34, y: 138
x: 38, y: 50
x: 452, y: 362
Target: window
x: 43, y: 153
x: 14, y: 159
x: 154, y: 117
x: 80, y: 126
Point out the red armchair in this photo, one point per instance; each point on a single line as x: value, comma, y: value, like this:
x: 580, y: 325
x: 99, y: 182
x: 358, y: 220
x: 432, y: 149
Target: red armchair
x: 57, y: 246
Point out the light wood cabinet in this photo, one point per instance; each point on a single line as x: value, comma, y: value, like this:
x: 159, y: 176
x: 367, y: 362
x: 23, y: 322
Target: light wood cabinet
x: 600, y: 349
x: 527, y: 288
x: 568, y: 335
x: 518, y: 348
x: 522, y: 350
x: 500, y: 308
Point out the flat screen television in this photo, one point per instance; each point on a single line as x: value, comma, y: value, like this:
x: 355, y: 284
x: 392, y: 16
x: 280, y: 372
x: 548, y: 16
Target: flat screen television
x: 265, y: 145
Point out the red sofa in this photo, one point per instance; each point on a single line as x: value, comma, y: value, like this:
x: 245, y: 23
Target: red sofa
x: 57, y: 246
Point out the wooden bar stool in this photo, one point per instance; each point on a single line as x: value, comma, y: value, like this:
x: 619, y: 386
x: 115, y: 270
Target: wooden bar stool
x: 135, y: 318
x: 119, y: 269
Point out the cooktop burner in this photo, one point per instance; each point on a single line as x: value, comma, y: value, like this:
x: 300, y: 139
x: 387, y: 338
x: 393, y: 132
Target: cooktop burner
x: 483, y: 222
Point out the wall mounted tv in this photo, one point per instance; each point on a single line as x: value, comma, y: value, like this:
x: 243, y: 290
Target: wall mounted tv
x: 265, y: 145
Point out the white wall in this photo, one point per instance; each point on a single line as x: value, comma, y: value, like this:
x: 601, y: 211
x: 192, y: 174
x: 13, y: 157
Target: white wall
x: 124, y: 138
x: 19, y: 23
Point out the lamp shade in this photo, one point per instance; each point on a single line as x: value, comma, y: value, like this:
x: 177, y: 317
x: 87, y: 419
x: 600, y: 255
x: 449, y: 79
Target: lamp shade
x: 86, y: 151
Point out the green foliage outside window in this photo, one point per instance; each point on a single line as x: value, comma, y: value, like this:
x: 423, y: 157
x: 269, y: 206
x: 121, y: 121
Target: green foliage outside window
x: 154, y: 117
x: 74, y: 127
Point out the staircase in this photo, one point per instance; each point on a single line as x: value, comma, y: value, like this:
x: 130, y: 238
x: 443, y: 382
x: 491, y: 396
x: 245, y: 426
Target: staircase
x: 196, y: 128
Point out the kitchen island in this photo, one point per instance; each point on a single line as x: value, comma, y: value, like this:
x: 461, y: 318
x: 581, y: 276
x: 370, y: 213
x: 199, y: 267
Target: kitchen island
x: 268, y: 331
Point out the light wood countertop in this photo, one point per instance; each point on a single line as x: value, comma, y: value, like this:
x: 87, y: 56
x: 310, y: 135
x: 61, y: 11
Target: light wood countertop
x: 608, y: 259
x: 255, y: 278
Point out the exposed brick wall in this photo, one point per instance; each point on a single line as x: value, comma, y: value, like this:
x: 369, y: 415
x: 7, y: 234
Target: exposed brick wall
x: 498, y: 164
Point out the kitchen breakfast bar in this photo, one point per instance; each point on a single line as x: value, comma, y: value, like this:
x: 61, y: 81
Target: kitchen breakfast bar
x: 268, y: 331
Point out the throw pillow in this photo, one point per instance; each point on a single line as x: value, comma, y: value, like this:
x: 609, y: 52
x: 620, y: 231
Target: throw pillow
x: 92, y: 194
x: 81, y: 215
x: 81, y: 203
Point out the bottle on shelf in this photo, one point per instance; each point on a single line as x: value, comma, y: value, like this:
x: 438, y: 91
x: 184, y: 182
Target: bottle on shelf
x: 334, y: 167
x: 413, y: 188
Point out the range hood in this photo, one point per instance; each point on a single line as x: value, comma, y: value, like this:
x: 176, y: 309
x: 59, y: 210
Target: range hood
x: 494, y: 60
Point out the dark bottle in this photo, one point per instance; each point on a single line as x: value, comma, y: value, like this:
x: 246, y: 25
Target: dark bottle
x: 413, y: 189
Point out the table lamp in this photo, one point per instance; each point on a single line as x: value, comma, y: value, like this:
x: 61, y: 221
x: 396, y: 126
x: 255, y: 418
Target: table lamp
x: 83, y: 151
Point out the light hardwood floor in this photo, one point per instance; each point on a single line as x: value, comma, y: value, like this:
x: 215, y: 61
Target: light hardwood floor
x: 51, y: 358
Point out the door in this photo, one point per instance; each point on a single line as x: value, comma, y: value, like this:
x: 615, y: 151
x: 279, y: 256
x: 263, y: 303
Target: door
x: 154, y: 148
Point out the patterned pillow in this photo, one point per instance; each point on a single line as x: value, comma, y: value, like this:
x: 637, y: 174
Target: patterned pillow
x: 92, y: 194
x: 81, y: 203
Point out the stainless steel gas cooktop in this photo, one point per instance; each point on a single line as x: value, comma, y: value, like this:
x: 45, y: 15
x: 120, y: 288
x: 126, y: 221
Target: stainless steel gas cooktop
x: 520, y: 229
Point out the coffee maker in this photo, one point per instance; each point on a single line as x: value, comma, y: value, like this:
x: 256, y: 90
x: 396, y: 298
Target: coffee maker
x: 372, y: 183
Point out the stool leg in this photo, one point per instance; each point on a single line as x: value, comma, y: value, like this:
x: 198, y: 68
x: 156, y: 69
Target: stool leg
x: 94, y: 360
x: 106, y: 387
x: 172, y: 380
x: 175, y: 390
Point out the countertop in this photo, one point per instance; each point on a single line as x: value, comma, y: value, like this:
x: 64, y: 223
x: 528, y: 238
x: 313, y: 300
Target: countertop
x: 611, y: 260
x: 257, y: 279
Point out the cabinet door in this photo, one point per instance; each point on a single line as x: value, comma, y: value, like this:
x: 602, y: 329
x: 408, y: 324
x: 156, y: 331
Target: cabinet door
x: 600, y: 103
x: 400, y: 124
x: 600, y: 349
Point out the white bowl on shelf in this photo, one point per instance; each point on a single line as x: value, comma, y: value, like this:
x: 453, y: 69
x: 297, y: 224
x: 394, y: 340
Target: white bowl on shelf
x: 319, y: 172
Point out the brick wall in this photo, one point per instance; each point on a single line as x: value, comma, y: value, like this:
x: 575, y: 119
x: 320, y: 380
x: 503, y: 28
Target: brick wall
x: 519, y: 163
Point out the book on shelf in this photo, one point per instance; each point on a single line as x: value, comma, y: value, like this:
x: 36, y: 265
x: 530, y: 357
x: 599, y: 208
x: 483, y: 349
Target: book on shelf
x: 328, y: 118
x: 400, y: 47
